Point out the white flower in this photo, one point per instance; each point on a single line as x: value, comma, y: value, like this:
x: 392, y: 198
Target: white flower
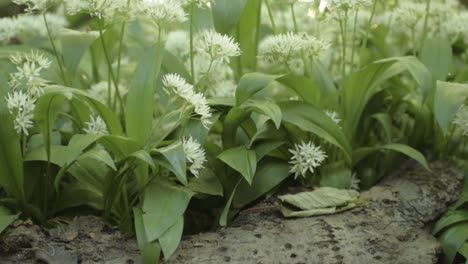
x: 21, y: 106
x: 7, y: 30
x: 354, y: 183
x: 35, y: 5
x: 216, y: 46
x: 281, y: 47
x: 194, y: 154
x: 177, y: 43
x: 313, y: 47
x: 334, y: 116
x: 199, y: 3
x: 96, y: 126
x: 31, y: 26
x: 162, y: 12
x: 461, y: 119
x: 185, y: 90
x: 97, y: 8
x: 28, y: 71
x: 306, y: 157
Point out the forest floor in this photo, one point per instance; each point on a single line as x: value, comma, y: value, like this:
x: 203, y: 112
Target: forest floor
x: 391, y: 228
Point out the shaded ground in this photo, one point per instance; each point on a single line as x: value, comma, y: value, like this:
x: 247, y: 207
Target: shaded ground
x: 389, y: 229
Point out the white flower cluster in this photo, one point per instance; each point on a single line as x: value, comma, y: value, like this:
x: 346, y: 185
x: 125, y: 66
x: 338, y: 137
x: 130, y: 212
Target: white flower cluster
x: 337, y: 9
x: 214, y: 77
x: 97, y: 8
x: 461, y: 119
x: 96, y: 126
x: 21, y: 106
x: 29, y: 26
x: 306, y: 157
x: 194, y: 154
x: 28, y: 71
x: 289, y: 47
x: 185, y: 90
x: 216, y: 46
x: 35, y: 5
x: 163, y: 13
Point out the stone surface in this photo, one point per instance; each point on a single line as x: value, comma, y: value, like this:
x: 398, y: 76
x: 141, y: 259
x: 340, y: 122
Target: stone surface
x: 389, y: 229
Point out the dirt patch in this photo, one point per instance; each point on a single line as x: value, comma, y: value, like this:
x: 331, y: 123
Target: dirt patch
x: 86, y: 239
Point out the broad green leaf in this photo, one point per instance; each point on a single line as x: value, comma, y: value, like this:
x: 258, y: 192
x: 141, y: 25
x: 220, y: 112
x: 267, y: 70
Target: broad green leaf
x: 74, y: 45
x: 87, y: 196
x: 47, y: 109
x: 308, y: 90
x: 6, y: 218
x: 248, y: 34
x: 450, y: 219
x: 386, y: 122
x: 172, y: 64
x: 452, y: 240
x: 144, y: 156
x: 361, y: 153
x: 121, y: 147
x: 89, y: 173
x: 140, y: 97
x: 11, y: 160
x: 223, y: 218
x: 206, y: 183
x: 175, y: 155
x: 252, y: 83
x: 150, y: 251
x: 269, y: 175
x: 311, y: 119
x: 163, y: 204
x: 99, y: 155
x: 449, y: 97
x: 262, y: 149
x: 336, y: 175
x: 323, y: 197
x: 242, y: 160
x: 109, y: 117
x: 170, y: 240
x: 267, y: 108
x: 436, y: 54
x: 226, y: 14
x: 58, y: 155
x: 287, y: 212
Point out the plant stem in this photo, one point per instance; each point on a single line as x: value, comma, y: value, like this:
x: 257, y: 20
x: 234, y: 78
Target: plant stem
x: 426, y: 20
x: 296, y: 30
x: 59, y: 61
x: 270, y: 15
x: 192, y: 64
x: 109, y: 66
x: 353, y: 39
x: 369, y: 25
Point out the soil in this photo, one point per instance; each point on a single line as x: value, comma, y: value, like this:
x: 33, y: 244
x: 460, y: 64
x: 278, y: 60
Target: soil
x: 392, y: 228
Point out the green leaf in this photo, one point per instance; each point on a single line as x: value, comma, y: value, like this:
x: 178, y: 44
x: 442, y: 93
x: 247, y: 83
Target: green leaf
x: 264, y: 148
x: 252, y: 83
x: 175, y: 155
x: 74, y: 45
x: 121, y: 147
x: 248, y: 34
x: 99, y: 155
x: 140, y: 97
x: 336, y: 175
x: 206, y: 183
x: 267, y: 108
x: 11, y: 160
x: 6, y: 218
x: 452, y: 240
x: 386, y: 122
x: 308, y: 90
x: 144, y: 156
x: 436, y: 54
x: 312, y: 119
x: 242, y: 160
x: 163, y: 205
x: 170, y: 240
x: 361, y: 153
x: 449, y: 97
x: 150, y: 251
x: 321, y: 198
x: 223, y: 218
x: 47, y: 109
x: 268, y: 176
x: 226, y: 14
x: 451, y: 218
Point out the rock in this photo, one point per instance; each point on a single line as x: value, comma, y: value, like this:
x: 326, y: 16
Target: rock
x: 387, y: 230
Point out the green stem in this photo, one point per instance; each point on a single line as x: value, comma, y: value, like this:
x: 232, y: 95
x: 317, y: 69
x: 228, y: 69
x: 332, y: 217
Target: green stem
x: 270, y: 15
x: 59, y: 61
x: 296, y: 30
x: 353, y: 39
x: 119, y: 58
x: 369, y: 25
x: 192, y: 64
x: 109, y: 66
x: 426, y: 20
